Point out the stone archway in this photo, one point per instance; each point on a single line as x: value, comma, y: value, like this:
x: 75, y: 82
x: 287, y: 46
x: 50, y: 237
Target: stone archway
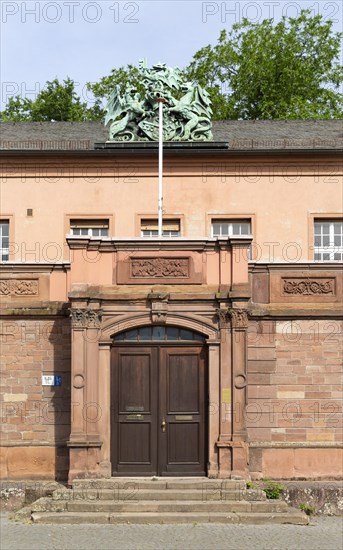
x: 90, y: 441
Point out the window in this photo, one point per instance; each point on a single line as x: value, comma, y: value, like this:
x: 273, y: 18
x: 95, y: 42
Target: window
x: 89, y: 228
x: 226, y: 228
x: 328, y: 240
x: 158, y: 333
x: 171, y: 228
x: 4, y: 240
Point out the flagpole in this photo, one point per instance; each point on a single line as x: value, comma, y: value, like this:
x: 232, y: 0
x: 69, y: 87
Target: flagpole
x: 160, y: 101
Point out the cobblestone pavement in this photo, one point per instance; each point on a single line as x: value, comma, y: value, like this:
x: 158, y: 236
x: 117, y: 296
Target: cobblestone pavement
x: 323, y: 533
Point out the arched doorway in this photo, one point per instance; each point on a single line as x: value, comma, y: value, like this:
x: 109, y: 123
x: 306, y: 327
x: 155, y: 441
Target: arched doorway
x: 159, y: 397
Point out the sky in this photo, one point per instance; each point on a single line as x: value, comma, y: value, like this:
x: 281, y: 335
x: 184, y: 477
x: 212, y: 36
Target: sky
x: 84, y: 39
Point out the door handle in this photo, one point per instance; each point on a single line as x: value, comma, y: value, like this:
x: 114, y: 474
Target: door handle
x: 163, y: 425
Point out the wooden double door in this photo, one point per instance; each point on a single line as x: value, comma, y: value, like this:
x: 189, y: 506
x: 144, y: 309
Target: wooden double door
x: 158, y: 416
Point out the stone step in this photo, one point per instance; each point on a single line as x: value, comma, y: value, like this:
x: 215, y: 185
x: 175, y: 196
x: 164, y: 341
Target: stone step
x: 174, y: 506
x: 196, y: 483
x: 292, y: 516
x: 207, y: 494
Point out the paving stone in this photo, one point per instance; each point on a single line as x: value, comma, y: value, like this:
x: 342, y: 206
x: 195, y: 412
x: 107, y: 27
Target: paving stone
x: 323, y: 533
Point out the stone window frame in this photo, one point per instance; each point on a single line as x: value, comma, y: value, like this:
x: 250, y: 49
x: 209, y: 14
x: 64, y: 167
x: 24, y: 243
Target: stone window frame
x: 91, y: 218
x: 8, y: 218
x: 93, y: 228
x: 320, y: 216
x: 234, y: 217
x: 153, y: 217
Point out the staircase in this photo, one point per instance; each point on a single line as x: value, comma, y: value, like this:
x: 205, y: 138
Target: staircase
x: 162, y: 500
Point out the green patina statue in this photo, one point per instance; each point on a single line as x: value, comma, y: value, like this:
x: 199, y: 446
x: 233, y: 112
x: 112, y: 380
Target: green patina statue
x: 186, y: 111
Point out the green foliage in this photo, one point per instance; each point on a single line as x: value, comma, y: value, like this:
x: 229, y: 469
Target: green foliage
x: 272, y: 489
x: 258, y: 71
x: 307, y: 508
x: 250, y: 485
x: 123, y: 76
x: 57, y: 101
x: 287, y: 70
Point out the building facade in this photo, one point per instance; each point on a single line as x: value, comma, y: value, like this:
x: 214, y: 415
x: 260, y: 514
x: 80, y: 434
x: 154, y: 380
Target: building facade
x: 215, y: 350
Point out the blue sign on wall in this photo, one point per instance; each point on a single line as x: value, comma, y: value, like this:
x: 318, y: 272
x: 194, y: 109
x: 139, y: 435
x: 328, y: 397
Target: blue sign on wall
x: 49, y: 380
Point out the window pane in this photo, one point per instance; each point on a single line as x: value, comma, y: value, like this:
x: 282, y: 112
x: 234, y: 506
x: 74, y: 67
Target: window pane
x: 337, y: 240
x: 131, y: 335
x: 216, y: 229
x: 326, y: 240
x: 317, y: 240
x: 4, y: 229
x: 145, y: 333
x: 172, y: 333
x: 158, y: 333
x: 245, y: 229
x: 236, y: 229
x: 186, y: 334
x: 338, y: 256
x: 326, y: 256
x: 225, y: 228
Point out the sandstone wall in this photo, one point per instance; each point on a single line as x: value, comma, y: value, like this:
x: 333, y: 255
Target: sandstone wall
x: 35, y: 419
x: 294, y: 413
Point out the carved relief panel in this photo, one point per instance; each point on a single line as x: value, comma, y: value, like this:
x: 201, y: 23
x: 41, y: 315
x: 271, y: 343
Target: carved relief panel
x: 152, y: 268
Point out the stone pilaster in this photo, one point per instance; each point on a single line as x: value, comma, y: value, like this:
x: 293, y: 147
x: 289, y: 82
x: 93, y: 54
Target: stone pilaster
x: 232, y: 441
x: 84, y: 439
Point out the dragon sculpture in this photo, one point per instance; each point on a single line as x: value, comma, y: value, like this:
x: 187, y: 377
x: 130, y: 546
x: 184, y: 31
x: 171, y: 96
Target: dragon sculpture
x: 186, y: 113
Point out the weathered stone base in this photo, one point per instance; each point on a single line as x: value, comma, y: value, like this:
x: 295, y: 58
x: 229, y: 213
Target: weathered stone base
x: 326, y: 497
x: 298, y: 462
x: 34, y: 463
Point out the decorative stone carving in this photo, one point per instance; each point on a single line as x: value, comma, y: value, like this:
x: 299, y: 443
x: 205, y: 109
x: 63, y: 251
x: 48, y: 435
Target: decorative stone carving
x: 134, y: 115
x: 223, y: 317
x: 160, y: 267
x: 308, y: 286
x: 240, y: 381
x: 239, y: 318
x: 79, y: 381
x: 86, y: 318
x: 19, y: 287
x: 159, y: 307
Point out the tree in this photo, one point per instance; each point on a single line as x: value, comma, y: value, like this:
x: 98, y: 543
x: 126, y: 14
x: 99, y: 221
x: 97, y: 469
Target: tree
x: 288, y: 70
x: 123, y: 77
x: 57, y: 101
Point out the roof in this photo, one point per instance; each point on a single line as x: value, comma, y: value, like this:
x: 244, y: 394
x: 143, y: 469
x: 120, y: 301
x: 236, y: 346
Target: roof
x: 249, y: 135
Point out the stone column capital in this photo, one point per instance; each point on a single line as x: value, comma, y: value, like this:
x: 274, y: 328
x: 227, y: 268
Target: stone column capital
x: 239, y: 318
x: 86, y: 318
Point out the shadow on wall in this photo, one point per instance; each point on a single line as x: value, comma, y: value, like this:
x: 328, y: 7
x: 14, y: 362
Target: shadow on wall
x: 57, y: 397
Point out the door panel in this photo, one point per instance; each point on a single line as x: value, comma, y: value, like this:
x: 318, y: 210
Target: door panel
x: 134, y: 443
x: 183, y: 443
x: 182, y: 404
x: 183, y: 394
x: 134, y: 414
x: 134, y: 383
x: 152, y: 385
